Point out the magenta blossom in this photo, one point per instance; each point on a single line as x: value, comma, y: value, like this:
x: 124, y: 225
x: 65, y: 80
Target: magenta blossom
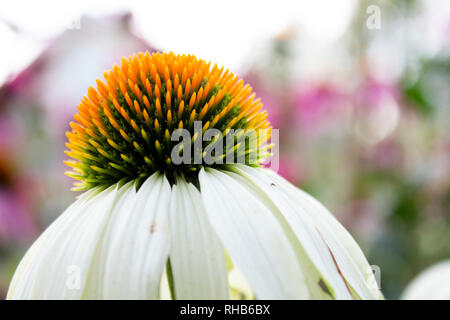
x: 16, y: 221
x: 317, y: 105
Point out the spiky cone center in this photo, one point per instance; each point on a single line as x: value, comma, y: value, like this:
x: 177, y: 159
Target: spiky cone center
x: 123, y: 129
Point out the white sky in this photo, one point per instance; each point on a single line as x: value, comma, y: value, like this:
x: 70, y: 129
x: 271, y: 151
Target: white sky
x: 222, y: 31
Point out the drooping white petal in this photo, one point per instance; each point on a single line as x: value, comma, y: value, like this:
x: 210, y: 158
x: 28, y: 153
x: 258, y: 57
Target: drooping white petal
x: 253, y: 237
x: 196, y: 255
x: 323, y: 279
x: 132, y: 254
x: 431, y: 284
x: 345, y: 258
x: 48, y: 270
x: 72, y: 259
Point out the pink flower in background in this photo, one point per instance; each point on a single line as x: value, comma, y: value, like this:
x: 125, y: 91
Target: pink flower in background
x: 16, y: 216
x: 372, y: 93
x: 289, y: 169
x: 318, y: 105
x: 16, y: 213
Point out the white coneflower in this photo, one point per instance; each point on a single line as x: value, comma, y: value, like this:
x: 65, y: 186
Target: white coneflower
x: 431, y: 284
x: 210, y: 228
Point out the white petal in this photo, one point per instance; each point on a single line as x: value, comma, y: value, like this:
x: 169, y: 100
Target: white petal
x: 253, y: 237
x: 312, y: 253
x: 133, y: 252
x: 347, y: 259
x: 79, y: 244
x: 45, y: 271
x: 197, y: 257
x: 431, y: 284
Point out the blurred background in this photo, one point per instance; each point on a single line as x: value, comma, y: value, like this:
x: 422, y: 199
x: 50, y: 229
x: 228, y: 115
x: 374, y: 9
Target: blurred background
x: 358, y: 89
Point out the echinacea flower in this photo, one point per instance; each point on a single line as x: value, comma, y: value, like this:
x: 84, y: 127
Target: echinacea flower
x: 146, y: 217
x: 430, y: 284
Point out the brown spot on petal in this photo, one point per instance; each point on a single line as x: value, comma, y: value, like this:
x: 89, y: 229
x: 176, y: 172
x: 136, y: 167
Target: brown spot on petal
x: 152, y: 227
